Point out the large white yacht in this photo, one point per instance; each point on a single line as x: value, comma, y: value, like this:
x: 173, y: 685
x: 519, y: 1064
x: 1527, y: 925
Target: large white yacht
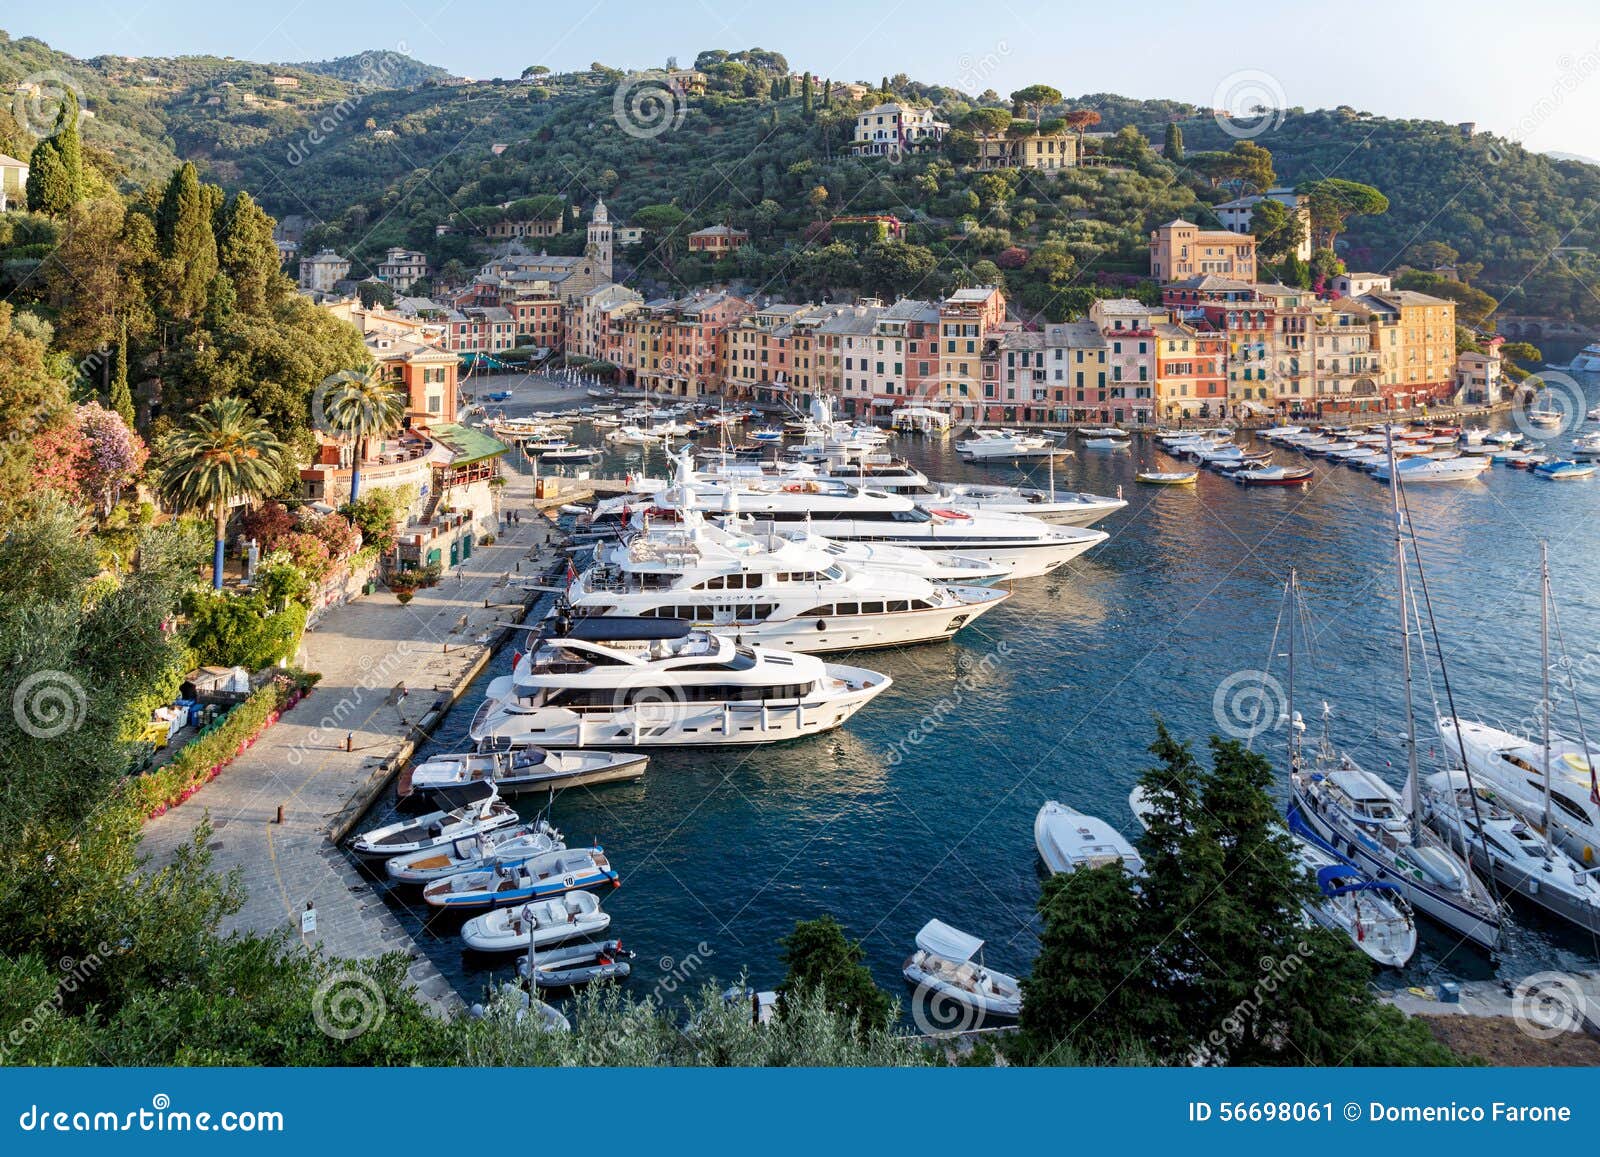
x: 613, y: 682
x: 848, y: 513
x: 764, y: 588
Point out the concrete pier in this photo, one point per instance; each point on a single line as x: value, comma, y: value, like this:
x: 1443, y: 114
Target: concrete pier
x: 388, y: 674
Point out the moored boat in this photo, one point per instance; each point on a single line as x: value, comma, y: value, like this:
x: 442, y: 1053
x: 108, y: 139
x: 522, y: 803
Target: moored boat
x: 508, y: 846
x: 544, y: 922
x: 1067, y: 840
x: 540, y: 878
x: 948, y: 964
x: 579, y: 965
x: 474, y: 809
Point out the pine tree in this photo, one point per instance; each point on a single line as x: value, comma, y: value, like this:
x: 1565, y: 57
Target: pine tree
x: 249, y: 256
x: 187, y: 244
x: 1173, y: 147
x: 121, y: 398
x: 55, y: 167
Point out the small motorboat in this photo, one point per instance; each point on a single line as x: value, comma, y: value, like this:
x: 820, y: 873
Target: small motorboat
x: 766, y: 435
x: 1068, y: 839
x: 525, y: 769
x: 948, y: 965
x: 1424, y: 469
x: 1167, y: 477
x: 512, y: 845
x: 572, y: 454
x: 579, y: 965
x: 1273, y: 476
x: 1102, y: 432
x: 546, y: 922
x: 1105, y: 443
x: 539, y: 878
x: 1563, y: 469
x: 474, y: 808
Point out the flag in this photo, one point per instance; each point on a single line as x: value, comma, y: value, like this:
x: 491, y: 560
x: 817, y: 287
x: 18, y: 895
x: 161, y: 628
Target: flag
x: 571, y: 575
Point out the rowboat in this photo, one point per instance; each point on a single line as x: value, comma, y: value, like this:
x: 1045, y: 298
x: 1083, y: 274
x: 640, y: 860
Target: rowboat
x: 1167, y: 477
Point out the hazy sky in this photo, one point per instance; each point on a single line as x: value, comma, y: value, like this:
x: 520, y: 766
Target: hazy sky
x: 1530, y: 71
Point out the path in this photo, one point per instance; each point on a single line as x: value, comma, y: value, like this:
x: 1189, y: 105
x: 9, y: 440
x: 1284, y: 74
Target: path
x: 384, y: 668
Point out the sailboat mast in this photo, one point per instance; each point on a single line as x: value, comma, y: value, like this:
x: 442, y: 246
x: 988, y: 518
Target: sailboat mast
x: 1405, y: 641
x: 1294, y: 614
x: 1544, y: 669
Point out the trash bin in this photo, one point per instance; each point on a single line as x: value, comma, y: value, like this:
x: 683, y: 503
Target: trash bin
x: 1449, y: 992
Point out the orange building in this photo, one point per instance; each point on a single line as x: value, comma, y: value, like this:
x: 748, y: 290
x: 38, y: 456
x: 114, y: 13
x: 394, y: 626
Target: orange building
x: 1191, y: 370
x: 1181, y: 249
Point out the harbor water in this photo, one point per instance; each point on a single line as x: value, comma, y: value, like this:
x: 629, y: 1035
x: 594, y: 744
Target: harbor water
x: 923, y: 805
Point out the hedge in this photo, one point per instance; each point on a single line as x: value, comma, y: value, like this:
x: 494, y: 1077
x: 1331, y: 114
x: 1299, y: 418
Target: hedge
x: 203, y: 758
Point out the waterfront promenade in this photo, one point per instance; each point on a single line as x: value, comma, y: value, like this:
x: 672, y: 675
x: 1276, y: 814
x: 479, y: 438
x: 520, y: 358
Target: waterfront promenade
x: 385, y: 667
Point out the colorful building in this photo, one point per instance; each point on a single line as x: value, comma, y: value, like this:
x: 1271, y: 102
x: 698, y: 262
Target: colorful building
x: 1181, y: 249
x: 896, y: 129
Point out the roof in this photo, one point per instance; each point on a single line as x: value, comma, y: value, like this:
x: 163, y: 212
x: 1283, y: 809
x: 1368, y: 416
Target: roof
x: 1359, y: 784
x: 951, y: 944
x: 12, y: 162
x: 719, y: 231
x: 1074, y: 334
x: 1409, y: 297
x: 466, y: 444
x: 1212, y: 282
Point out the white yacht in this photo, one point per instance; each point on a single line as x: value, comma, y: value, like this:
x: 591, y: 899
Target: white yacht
x: 611, y: 682
x: 1514, y: 768
x: 1067, y: 840
x: 764, y: 588
x: 1008, y: 445
x: 1518, y: 857
x: 1424, y: 469
x: 894, y: 476
x: 933, y: 566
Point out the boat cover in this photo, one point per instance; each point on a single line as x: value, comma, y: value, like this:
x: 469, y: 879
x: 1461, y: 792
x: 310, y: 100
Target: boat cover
x: 459, y: 795
x: 940, y: 939
x: 606, y: 628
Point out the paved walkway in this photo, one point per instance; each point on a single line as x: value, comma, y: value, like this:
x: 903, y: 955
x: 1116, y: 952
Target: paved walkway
x: 384, y: 668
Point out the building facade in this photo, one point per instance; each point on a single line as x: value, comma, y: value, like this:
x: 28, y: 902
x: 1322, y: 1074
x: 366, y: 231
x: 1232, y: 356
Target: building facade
x: 1181, y: 249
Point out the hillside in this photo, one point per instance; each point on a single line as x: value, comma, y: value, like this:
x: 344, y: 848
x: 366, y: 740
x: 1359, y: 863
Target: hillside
x: 383, y: 152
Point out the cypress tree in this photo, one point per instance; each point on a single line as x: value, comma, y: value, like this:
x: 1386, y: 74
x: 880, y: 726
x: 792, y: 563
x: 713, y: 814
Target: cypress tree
x: 55, y: 167
x: 827, y: 94
x: 248, y: 255
x: 121, y: 397
x: 808, y: 108
x: 1173, y: 147
x: 187, y: 244
x: 884, y: 88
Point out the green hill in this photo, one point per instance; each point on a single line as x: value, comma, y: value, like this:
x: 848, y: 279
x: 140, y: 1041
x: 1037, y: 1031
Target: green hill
x: 385, y: 150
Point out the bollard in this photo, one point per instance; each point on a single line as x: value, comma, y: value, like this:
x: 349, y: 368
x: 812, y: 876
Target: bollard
x: 349, y: 740
x: 280, y: 814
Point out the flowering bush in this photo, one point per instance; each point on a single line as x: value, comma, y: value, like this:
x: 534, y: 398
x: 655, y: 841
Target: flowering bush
x: 334, y: 531
x: 267, y: 522
x: 115, y: 454
x: 308, y: 552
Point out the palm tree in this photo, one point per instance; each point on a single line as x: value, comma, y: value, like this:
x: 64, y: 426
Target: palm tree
x: 224, y: 455
x: 359, y: 405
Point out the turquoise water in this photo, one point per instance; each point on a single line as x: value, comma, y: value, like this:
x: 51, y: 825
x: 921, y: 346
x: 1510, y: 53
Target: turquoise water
x: 923, y: 805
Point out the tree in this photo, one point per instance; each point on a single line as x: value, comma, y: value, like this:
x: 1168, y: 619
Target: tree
x: 55, y: 167
x: 1276, y: 227
x: 1172, y: 146
x: 222, y: 456
x: 187, y: 245
x: 248, y: 255
x: 821, y: 959
x: 808, y: 108
x: 119, y: 395
x: 1333, y: 201
x: 359, y: 405
x: 114, y: 454
x: 893, y: 268
x: 1035, y: 99
x: 1081, y: 120
x: 1248, y: 165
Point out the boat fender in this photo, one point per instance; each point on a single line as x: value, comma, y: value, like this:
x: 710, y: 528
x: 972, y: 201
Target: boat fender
x: 822, y: 624
x: 1588, y: 854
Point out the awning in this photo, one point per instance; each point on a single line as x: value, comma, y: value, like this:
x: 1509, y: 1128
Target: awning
x: 465, y: 444
x: 940, y: 939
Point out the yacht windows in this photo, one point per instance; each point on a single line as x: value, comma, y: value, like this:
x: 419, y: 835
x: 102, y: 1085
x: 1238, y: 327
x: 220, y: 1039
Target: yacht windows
x: 872, y: 608
x: 899, y: 605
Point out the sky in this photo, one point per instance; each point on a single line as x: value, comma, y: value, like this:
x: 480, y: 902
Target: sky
x: 1531, y: 73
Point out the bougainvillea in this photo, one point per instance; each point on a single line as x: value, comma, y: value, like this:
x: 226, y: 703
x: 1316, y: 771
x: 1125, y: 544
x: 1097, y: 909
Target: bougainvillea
x: 266, y: 522
x: 333, y: 531
x: 114, y: 457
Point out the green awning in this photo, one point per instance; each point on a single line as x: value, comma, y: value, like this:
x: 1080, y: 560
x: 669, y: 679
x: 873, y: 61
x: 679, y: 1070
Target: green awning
x: 468, y: 445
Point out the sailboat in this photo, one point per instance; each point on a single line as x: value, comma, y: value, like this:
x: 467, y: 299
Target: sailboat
x: 1362, y: 818
x: 1517, y: 829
